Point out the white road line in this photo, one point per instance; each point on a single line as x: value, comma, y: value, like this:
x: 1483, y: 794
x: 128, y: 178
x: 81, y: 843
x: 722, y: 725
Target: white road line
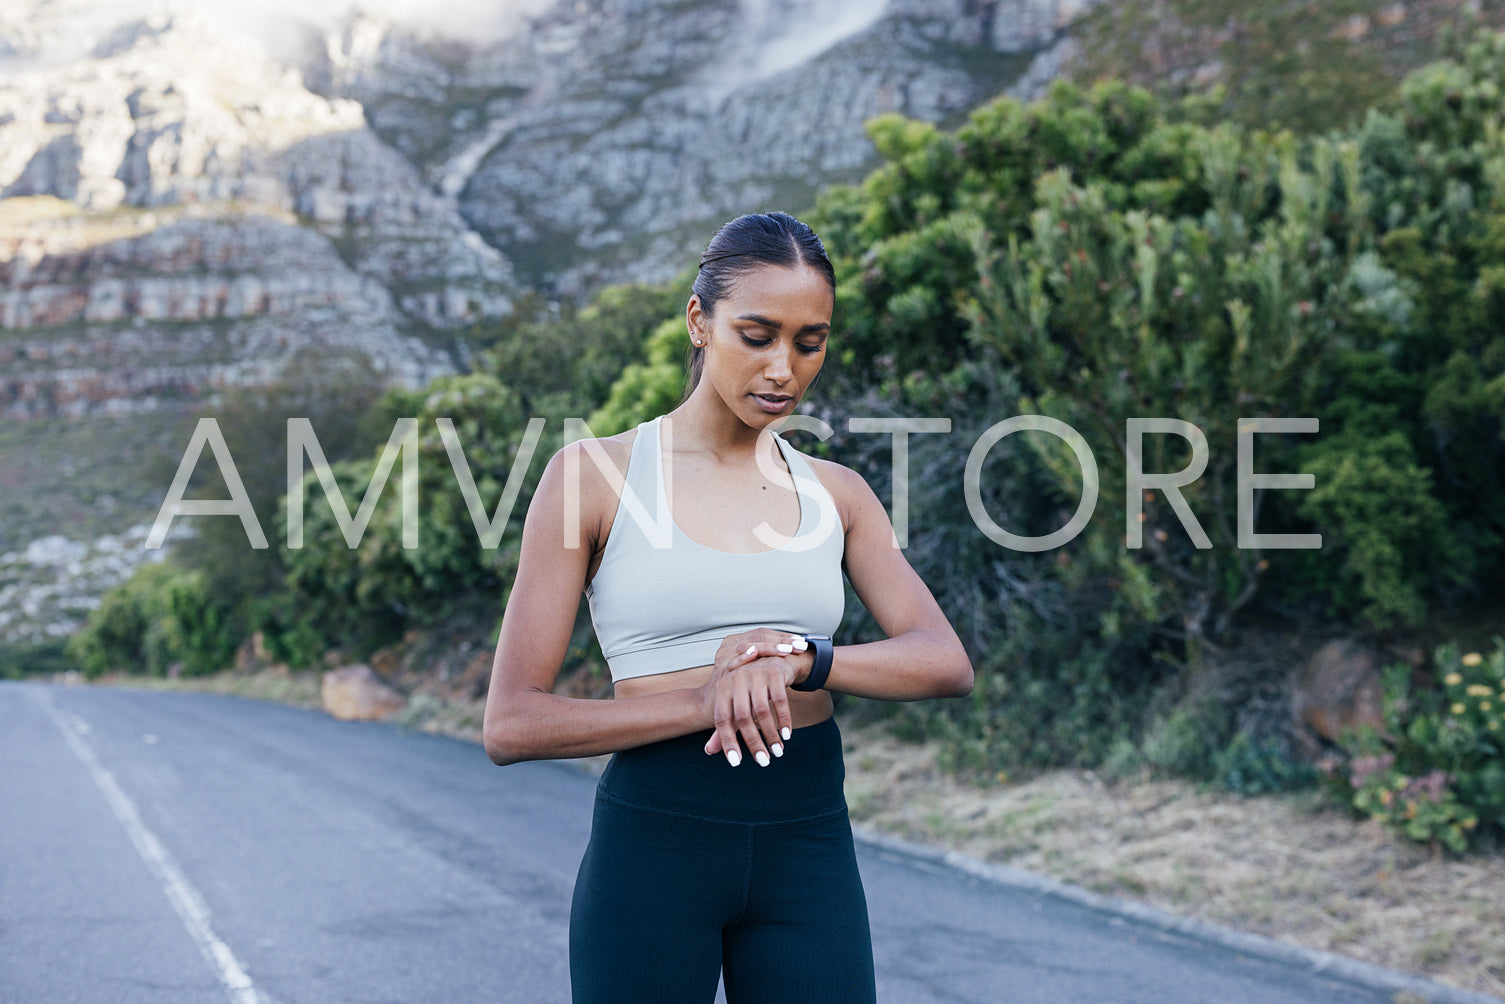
x: 180, y: 892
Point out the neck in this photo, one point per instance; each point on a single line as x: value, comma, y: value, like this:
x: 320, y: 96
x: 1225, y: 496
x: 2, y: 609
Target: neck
x: 704, y: 424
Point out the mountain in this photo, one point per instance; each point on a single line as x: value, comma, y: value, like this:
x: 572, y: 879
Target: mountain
x: 187, y: 203
x: 179, y: 213
x: 198, y: 195
x: 606, y: 141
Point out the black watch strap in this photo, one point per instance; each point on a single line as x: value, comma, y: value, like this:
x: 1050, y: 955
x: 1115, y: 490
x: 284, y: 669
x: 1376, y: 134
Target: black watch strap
x: 822, y: 667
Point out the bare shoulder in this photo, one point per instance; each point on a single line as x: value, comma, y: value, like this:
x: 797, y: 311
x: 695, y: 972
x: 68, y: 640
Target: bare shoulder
x: 596, y: 469
x: 589, y: 454
x: 853, y: 496
x: 838, y: 479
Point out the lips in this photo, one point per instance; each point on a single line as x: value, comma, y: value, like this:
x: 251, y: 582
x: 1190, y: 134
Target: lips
x: 772, y: 402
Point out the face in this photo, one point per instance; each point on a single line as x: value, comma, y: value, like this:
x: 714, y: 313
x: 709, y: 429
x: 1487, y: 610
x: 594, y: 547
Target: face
x: 766, y: 341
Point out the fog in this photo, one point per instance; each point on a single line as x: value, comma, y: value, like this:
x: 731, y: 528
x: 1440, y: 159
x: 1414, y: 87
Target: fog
x: 777, y: 35
x: 782, y: 35
x: 39, y: 33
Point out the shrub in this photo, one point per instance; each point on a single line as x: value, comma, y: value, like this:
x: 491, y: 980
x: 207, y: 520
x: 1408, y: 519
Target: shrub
x: 20, y: 660
x: 1250, y: 767
x: 362, y: 595
x: 1042, y: 699
x: 159, y: 617
x: 1437, y: 774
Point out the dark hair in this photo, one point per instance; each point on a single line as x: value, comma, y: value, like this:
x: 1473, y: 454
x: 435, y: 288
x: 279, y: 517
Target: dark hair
x: 746, y: 243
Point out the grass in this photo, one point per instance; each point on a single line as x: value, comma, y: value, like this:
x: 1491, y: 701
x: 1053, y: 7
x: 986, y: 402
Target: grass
x: 85, y: 477
x: 300, y: 690
x: 1293, y: 867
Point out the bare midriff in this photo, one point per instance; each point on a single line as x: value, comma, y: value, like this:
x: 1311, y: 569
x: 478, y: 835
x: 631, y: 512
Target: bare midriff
x: 804, y: 708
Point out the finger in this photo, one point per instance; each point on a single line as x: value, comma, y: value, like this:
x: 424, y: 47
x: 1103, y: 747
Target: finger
x: 747, y: 726
x: 731, y: 646
x: 783, y: 716
x: 726, y: 731
x: 713, y: 745
x: 735, y: 644
x: 791, y: 644
x: 742, y: 658
x: 768, y: 723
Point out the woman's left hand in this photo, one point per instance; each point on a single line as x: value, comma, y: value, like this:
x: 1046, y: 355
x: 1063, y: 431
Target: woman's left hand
x: 734, y: 648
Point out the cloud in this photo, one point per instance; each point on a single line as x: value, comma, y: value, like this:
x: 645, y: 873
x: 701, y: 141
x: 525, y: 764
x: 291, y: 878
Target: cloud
x: 467, y: 20
x: 780, y: 36
x: 803, y: 35
x: 37, y: 33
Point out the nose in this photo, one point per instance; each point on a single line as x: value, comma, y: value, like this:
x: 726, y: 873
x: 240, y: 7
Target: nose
x: 780, y: 368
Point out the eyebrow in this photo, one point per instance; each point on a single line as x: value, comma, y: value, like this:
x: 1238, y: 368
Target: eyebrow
x: 768, y: 322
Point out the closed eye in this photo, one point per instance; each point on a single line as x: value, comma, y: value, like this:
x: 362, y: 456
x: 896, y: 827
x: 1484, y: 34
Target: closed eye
x: 763, y: 343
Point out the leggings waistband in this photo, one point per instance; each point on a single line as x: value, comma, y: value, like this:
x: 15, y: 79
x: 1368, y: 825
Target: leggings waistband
x: 676, y: 776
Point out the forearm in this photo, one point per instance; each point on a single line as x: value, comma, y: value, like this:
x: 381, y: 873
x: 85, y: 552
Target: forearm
x: 533, y: 725
x: 912, y: 666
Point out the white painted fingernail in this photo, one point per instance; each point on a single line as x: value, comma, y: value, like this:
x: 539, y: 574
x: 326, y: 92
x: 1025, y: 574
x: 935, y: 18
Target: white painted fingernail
x: 750, y: 650
x: 786, y: 649
x: 762, y: 758
x: 733, y: 757
x: 785, y: 733
x: 778, y: 749
x: 800, y: 644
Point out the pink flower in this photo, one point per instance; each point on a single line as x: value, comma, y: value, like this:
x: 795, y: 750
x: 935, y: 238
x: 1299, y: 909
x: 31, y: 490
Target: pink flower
x: 1362, y: 768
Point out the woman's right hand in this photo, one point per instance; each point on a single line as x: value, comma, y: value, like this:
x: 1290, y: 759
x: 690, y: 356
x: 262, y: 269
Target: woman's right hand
x: 747, y: 695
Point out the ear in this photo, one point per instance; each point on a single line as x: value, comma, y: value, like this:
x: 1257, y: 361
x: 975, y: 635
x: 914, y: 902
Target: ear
x: 697, y: 321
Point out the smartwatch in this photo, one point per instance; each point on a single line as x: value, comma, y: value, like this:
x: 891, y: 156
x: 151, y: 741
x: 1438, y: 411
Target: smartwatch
x: 821, y: 669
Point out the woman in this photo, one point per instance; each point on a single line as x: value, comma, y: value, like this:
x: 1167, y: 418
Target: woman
x: 712, y: 554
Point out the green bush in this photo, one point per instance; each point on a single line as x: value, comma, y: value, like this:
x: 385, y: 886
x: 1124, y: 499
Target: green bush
x: 287, y: 628
x: 563, y: 363
x: 20, y: 660
x: 1437, y: 774
x: 161, y: 617
x: 1247, y: 766
x: 1043, y: 699
x: 1187, y: 740
x: 1384, y: 526
x: 1260, y: 64
x: 644, y: 390
x: 364, y: 596
x: 338, y: 397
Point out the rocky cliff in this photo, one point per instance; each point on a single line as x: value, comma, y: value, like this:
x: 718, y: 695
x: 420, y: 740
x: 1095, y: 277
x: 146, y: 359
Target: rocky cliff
x: 605, y: 141
x: 179, y: 212
x: 198, y: 195
x: 185, y: 203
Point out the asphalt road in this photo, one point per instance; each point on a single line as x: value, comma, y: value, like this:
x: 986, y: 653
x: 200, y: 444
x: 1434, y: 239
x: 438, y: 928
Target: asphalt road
x: 186, y: 847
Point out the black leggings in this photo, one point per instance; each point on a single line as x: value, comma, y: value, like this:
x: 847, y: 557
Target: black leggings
x: 696, y: 868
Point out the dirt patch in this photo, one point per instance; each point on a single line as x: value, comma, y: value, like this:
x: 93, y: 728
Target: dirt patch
x: 1296, y: 868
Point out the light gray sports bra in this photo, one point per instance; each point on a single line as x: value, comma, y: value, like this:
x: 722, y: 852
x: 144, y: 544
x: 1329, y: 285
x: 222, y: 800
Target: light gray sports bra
x: 662, y: 602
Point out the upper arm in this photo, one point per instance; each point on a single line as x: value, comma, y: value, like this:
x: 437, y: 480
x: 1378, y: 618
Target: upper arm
x: 881, y: 576
x: 552, y: 565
